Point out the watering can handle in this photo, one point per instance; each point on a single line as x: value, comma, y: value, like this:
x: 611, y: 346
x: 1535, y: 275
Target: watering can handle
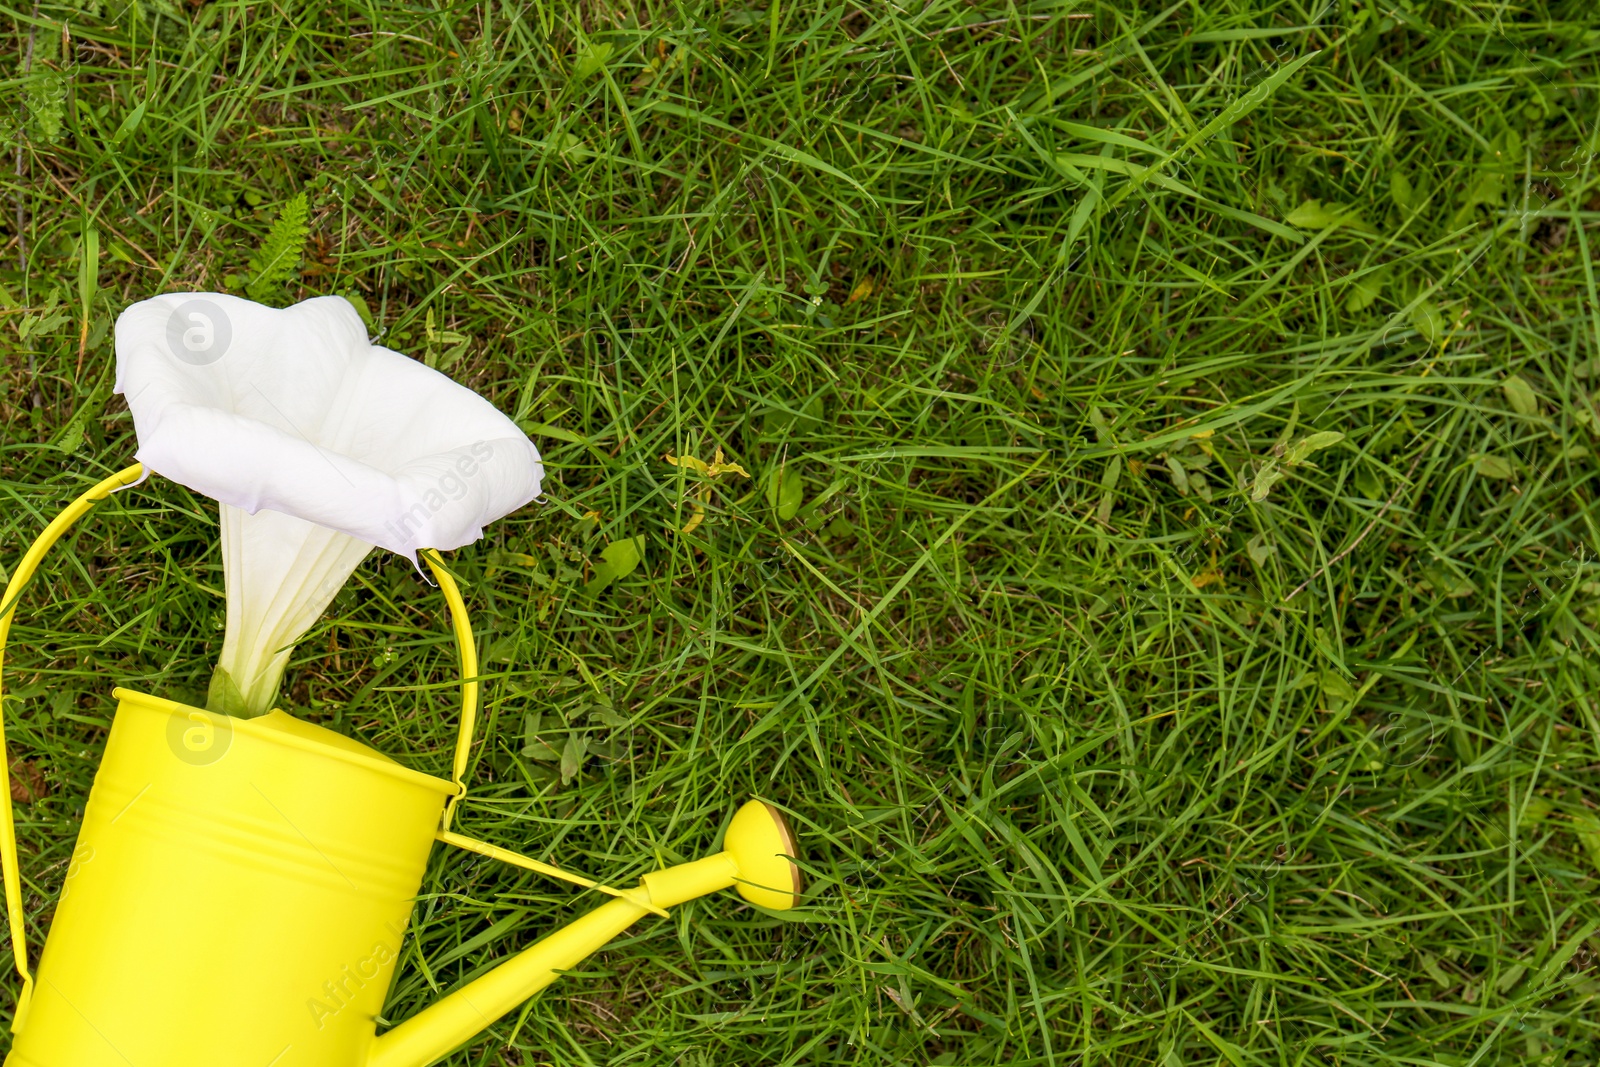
x: 8, y: 829
x: 462, y: 626
x: 24, y: 573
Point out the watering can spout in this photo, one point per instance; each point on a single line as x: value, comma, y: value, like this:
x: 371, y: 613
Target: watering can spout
x: 756, y: 860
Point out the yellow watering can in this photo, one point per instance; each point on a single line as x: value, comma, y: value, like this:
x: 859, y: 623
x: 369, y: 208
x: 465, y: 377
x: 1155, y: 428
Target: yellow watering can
x: 241, y: 887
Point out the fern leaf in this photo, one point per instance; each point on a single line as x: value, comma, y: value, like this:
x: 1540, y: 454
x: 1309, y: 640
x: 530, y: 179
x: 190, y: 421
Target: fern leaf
x: 275, y: 262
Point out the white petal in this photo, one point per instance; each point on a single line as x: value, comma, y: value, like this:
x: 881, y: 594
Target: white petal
x: 281, y: 573
x: 293, y: 411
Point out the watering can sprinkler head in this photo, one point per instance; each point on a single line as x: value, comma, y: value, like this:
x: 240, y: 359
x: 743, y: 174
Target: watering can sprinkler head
x: 760, y: 843
x: 755, y: 860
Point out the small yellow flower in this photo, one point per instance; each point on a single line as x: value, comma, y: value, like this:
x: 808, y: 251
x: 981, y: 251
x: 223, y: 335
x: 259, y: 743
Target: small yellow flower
x: 710, y: 471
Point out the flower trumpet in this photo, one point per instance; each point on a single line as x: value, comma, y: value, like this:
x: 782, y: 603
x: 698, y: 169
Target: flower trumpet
x: 319, y: 446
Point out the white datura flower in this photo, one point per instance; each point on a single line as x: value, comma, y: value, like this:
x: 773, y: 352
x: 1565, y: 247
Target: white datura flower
x: 318, y: 446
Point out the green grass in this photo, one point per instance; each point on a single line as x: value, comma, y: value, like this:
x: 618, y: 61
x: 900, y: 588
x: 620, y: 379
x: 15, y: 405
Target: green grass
x: 1096, y: 758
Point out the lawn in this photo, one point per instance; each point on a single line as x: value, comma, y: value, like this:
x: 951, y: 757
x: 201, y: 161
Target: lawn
x: 1157, y: 570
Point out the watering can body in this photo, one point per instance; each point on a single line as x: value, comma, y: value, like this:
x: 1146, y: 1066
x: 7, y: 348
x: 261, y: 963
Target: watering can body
x: 238, y: 894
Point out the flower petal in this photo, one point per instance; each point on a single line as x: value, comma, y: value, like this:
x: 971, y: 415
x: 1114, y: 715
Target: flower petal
x: 293, y: 411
